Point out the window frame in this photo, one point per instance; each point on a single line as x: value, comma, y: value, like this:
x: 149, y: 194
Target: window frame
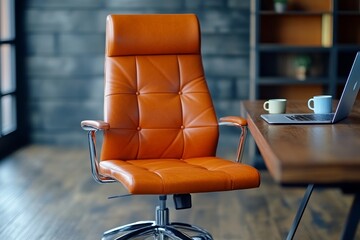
x: 20, y: 136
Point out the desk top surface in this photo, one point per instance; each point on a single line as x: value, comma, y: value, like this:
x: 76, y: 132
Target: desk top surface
x: 302, y: 154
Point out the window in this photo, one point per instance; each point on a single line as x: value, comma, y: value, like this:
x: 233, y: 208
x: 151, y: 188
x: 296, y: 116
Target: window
x: 9, y: 102
x: 8, y: 89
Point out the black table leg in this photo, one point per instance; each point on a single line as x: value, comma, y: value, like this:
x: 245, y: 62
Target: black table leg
x: 300, y: 212
x: 352, y: 219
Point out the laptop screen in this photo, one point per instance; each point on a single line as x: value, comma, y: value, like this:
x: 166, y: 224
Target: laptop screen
x: 350, y: 91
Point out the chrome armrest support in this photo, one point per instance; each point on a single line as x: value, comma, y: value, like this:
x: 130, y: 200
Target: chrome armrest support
x: 239, y: 123
x: 94, y: 162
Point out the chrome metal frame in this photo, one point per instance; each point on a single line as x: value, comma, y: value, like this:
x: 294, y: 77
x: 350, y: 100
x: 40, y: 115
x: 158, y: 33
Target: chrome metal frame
x: 94, y: 162
x: 160, y: 229
x: 242, y: 139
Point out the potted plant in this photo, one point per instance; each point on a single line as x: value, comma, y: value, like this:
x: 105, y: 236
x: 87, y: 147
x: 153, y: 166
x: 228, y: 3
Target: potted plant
x: 302, y: 64
x: 280, y: 6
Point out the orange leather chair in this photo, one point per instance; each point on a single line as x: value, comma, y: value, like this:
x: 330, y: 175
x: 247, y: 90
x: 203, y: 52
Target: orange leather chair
x: 160, y: 131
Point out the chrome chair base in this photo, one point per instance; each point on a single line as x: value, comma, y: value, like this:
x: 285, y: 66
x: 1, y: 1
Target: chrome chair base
x: 160, y: 229
x: 149, y: 230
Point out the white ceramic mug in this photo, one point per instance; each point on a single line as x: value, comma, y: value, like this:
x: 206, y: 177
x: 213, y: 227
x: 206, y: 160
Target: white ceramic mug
x: 275, y: 106
x: 321, y: 104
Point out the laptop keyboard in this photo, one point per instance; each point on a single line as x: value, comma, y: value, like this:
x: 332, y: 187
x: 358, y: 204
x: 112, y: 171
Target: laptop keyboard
x: 311, y: 117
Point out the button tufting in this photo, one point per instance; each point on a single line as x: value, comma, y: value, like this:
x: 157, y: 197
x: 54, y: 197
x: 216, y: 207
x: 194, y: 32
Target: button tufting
x: 137, y: 93
x: 180, y: 93
x: 138, y: 128
x: 182, y: 127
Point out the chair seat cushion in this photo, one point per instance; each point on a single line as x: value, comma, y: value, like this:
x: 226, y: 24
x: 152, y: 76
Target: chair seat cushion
x: 171, y: 176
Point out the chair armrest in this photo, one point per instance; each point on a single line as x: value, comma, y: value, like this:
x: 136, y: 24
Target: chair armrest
x: 233, y: 120
x: 94, y: 125
x: 240, y: 123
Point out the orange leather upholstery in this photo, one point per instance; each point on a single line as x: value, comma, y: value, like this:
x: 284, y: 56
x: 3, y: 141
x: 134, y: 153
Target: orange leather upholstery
x: 160, y: 127
x: 150, y: 35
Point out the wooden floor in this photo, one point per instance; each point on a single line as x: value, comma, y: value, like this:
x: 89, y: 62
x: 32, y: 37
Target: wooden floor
x: 47, y: 193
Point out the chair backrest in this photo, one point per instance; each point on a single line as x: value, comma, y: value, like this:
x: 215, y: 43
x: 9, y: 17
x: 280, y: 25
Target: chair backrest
x: 156, y: 98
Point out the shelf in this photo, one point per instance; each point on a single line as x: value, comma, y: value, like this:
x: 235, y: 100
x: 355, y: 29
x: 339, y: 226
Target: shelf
x: 306, y: 30
x: 284, y: 64
x: 291, y: 91
x: 326, y: 31
x: 295, y: 13
x: 348, y: 47
x: 348, y: 5
x: 345, y: 33
x: 348, y: 13
x: 291, y: 81
x: 268, y: 47
x: 300, y: 5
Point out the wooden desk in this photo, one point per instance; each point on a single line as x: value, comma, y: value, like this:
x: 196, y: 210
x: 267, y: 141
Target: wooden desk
x: 327, y: 155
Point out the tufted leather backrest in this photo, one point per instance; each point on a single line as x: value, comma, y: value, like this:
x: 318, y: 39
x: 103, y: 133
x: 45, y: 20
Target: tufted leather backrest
x: 156, y: 99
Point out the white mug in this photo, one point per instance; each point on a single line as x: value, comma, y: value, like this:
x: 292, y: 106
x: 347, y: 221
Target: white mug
x: 275, y: 105
x: 321, y: 104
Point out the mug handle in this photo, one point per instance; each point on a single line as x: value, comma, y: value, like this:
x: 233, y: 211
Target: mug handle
x: 266, y: 105
x: 311, y: 100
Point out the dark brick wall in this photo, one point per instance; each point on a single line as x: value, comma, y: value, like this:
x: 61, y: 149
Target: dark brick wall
x: 65, y: 48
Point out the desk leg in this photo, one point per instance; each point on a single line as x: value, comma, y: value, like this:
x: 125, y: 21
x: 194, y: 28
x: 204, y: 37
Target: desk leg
x: 300, y: 212
x: 352, y: 219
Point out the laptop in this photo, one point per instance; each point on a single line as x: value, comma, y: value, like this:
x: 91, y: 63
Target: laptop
x: 343, y: 108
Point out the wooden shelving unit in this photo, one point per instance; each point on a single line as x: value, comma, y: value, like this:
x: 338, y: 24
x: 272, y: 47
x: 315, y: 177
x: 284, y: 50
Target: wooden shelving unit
x: 325, y: 32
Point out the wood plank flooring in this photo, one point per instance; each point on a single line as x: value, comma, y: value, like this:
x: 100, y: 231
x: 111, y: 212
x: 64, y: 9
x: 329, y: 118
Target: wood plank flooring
x: 47, y: 193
